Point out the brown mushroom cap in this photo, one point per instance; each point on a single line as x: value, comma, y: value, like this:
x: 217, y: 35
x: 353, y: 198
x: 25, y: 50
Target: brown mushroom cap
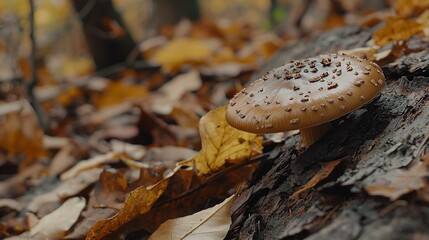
x: 305, y: 93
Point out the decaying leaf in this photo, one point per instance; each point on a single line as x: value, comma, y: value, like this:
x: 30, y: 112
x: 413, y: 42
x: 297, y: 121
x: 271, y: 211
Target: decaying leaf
x: 322, y: 174
x: 137, y: 203
x: 398, y: 182
x: 55, y: 224
x: 396, y: 29
x: 212, y: 223
x: 222, y: 143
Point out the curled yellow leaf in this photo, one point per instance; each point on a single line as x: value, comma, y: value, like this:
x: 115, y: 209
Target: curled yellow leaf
x: 222, y: 143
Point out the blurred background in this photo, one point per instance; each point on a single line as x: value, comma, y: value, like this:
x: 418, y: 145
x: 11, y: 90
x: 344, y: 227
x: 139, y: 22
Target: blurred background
x: 60, y: 26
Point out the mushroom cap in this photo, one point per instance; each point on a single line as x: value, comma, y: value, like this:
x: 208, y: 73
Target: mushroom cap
x: 305, y: 93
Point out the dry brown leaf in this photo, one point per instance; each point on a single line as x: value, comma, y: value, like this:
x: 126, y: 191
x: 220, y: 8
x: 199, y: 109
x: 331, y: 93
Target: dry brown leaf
x: 110, y: 190
x: 119, y: 92
x: 396, y: 29
x: 222, y: 143
x: 101, y: 116
x: 212, y: 223
x: 185, y: 117
x: 137, y: 203
x: 163, y: 100
x: 182, y: 51
x: 411, y: 7
x: 21, y: 135
x: 67, y: 188
x: 90, y: 163
x: 322, y: 174
x: 190, y: 193
x: 58, y: 222
x: 398, y: 182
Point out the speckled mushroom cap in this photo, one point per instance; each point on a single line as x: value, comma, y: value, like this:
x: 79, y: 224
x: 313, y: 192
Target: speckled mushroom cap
x: 305, y: 93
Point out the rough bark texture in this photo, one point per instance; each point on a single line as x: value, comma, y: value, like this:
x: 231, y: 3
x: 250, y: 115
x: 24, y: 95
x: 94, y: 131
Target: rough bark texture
x: 388, y: 134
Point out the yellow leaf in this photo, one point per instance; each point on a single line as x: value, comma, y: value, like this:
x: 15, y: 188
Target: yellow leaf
x: 396, y: 29
x: 411, y: 7
x: 182, y: 51
x: 212, y: 223
x: 222, y: 143
x: 137, y: 203
x: 119, y: 92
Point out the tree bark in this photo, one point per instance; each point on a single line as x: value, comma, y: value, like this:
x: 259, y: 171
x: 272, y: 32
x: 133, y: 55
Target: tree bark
x: 169, y: 12
x: 107, y: 36
x: 388, y: 134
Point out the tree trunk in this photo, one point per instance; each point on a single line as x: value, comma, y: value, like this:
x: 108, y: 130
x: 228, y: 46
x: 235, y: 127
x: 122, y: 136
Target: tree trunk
x: 169, y: 12
x: 370, y: 145
x: 107, y: 36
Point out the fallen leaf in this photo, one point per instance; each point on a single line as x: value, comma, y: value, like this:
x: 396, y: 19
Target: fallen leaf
x: 185, y: 117
x: 163, y: 100
x: 212, y: 223
x: 398, y: 182
x: 322, y: 174
x: 182, y: 51
x: 90, y: 217
x: 410, y: 7
x: 58, y: 222
x: 101, y: 116
x: 67, y: 188
x: 118, y: 92
x: 110, y: 190
x: 68, y: 95
x: 153, y: 130
x: 133, y: 150
x: 396, y: 29
x: 137, y: 203
x: 90, y: 163
x: 222, y: 143
x: 21, y: 135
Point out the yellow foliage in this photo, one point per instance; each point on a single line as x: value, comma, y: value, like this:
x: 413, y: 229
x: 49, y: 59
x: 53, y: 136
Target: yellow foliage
x: 396, y: 29
x: 118, y: 92
x: 182, y: 51
x: 68, y: 95
x: 411, y: 7
x: 222, y: 143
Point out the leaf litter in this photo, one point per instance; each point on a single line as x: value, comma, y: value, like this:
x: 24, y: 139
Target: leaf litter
x: 110, y: 164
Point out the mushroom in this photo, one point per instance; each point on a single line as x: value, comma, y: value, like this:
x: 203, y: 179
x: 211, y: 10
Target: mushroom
x: 286, y: 98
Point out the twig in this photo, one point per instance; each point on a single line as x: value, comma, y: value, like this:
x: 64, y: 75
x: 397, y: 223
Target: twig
x: 33, y: 81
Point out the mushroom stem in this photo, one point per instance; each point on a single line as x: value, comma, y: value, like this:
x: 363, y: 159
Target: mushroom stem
x: 312, y: 134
